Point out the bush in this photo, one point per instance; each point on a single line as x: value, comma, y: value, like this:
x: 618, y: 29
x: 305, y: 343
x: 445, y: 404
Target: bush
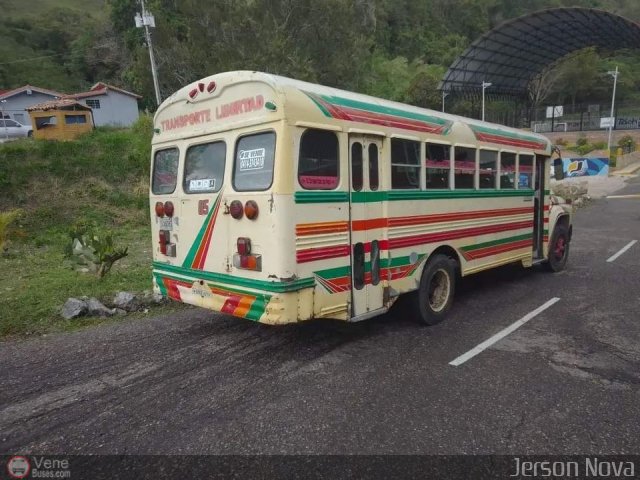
x: 600, y: 145
x: 562, y: 142
x: 6, y: 219
x: 627, y: 143
x: 92, y: 249
x: 581, y: 141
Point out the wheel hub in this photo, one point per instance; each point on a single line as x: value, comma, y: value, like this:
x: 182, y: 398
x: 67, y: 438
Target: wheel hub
x: 439, y: 290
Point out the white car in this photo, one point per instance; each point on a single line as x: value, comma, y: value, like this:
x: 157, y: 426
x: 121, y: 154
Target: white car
x: 10, y: 130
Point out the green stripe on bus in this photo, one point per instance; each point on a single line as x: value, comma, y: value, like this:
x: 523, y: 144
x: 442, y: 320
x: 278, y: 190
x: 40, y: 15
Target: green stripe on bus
x: 371, y: 107
x: 160, y: 283
x: 400, y: 195
x: 493, y: 243
x: 503, y: 133
x: 345, y: 271
x: 321, y: 197
x: 196, y: 243
x: 274, y: 286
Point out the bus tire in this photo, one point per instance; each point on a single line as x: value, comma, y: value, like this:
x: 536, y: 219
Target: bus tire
x: 558, y: 249
x: 437, y: 287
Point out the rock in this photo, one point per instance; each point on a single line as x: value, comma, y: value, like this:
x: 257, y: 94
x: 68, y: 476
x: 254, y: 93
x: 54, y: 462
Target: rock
x: 119, y: 311
x: 157, y: 298
x: 74, y: 308
x: 149, y: 298
x: 94, y: 307
x: 126, y: 301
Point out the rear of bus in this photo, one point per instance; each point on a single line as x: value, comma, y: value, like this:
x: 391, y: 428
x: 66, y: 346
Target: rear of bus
x: 221, y: 201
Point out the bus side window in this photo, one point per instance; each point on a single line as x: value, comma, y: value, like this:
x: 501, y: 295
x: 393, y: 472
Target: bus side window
x: 507, y: 170
x: 525, y: 171
x: 405, y: 164
x: 464, y: 168
x: 488, y: 168
x: 318, y: 162
x: 438, y: 163
x: 374, y: 180
x: 165, y: 171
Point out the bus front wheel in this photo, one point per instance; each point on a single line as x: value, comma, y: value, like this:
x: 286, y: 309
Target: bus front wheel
x: 558, y: 248
x: 437, y: 286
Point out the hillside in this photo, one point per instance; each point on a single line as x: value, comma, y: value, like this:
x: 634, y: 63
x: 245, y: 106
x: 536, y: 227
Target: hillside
x: 102, y: 178
x: 20, y: 8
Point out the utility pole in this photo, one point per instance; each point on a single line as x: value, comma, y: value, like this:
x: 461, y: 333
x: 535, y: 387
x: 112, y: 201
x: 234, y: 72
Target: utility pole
x: 485, y: 85
x: 146, y: 20
x: 612, y: 121
x: 444, y: 95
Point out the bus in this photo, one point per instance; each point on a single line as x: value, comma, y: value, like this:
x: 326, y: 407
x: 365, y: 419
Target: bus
x: 281, y: 201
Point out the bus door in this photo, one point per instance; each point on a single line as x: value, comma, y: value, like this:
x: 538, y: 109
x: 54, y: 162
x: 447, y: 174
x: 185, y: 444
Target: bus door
x: 368, y: 226
x: 541, y: 166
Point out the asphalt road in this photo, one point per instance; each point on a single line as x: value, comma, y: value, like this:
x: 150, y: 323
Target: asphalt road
x: 195, y: 382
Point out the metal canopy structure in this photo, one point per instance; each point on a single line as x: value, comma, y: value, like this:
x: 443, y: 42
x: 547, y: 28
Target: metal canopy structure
x: 512, y: 54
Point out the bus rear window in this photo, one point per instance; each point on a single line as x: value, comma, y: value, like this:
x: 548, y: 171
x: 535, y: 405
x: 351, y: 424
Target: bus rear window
x: 204, y: 167
x: 165, y: 171
x: 253, y: 169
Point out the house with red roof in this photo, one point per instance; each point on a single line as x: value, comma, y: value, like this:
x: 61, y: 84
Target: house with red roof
x: 13, y: 103
x: 111, y: 106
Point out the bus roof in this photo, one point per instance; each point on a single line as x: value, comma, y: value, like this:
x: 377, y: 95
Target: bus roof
x: 187, y: 107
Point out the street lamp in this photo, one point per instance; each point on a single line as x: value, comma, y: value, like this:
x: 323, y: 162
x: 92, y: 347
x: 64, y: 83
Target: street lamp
x: 4, y: 121
x: 485, y: 85
x: 444, y: 95
x: 614, y: 74
x: 146, y: 20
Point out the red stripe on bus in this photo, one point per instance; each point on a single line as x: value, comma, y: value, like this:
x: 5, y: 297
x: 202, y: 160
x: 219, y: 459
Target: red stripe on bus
x: 451, y: 217
x: 392, y: 121
x: 313, y: 254
x: 455, y: 234
x: 495, y: 250
x: 514, y: 142
x: 371, y: 224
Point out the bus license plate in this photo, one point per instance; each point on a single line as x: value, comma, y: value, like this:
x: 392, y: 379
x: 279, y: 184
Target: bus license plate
x: 166, y: 223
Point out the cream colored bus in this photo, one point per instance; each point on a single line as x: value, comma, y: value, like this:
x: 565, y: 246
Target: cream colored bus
x: 281, y: 201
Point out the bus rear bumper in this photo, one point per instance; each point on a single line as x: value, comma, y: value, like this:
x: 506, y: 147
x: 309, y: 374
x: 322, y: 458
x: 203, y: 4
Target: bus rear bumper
x: 274, y: 308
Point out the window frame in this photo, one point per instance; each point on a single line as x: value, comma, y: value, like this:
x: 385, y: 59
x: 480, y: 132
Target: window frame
x: 475, y: 148
x: 184, y: 166
x: 533, y: 170
x: 235, y: 157
x: 515, y: 169
x: 338, y: 176
x: 95, y: 102
x: 449, y: 174
x: 153, y: 170
x: 419, y: 165
x: 496, y: 179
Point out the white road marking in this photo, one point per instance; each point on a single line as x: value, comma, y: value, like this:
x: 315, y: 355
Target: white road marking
x: 501, y: 334
x: 624, y: 196
x: 624, y: 249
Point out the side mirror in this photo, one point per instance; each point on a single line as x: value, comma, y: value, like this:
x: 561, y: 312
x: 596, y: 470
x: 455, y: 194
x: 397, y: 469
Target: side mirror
x: 558, y: 171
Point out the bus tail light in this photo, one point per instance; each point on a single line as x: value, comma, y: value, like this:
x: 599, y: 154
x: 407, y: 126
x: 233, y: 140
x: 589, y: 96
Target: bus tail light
x: 244, y: 258
x: 159, y: 209
x: 168, y: 209
x: 235, y: 209
x: 244, y: 245
x: 251, y: 210
x: 166, y: 247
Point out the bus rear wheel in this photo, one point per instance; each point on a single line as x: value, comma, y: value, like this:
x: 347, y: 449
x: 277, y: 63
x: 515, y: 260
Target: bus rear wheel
x: 437, y: 287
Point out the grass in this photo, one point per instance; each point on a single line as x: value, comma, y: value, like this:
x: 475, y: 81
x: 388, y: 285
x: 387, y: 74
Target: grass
x: 102, y: 177
x: 20, y: 8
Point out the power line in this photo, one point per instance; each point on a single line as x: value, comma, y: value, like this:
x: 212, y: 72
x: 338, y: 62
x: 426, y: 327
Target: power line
x: 32, y: 58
